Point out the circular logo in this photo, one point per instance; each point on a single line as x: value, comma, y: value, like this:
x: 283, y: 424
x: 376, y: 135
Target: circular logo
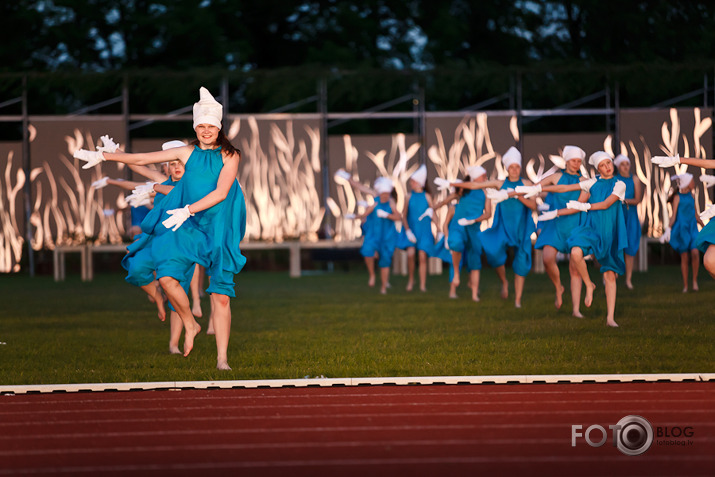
x: 634, y: 436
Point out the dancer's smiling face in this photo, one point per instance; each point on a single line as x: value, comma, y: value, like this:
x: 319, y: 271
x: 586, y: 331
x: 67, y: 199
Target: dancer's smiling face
x: 207, y: 134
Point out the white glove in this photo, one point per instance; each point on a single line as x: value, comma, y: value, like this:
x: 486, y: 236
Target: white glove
x: 411, y: 236
x: 427, y: 213
x: 619, y: 190
x: 343, y: 174
x: 464, y: 222
x: 529, y: 191
x: 177, y: 217
x: 446, y: 244
x: 440, y: 235
x: 708, y: 180
x: 349, y: 216
x: 543, y: 207
x: 496, y: 196
x: 100, y: 183
x: 587, y: 184
x: 137, y: 200
x: 576, y: 205
x: 442, y: 184
x: 708, y: 213
x: 550, y: 215
x: 108, y: 144
x: 362, y: 203
x: 666, y: 161
x: 147, y: 188
x: 383, y: 214
x: 666, y: 236
x: 92, y: 158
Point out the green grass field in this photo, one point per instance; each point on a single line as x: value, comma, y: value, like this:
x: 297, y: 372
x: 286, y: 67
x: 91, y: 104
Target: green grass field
x: 332, y: 324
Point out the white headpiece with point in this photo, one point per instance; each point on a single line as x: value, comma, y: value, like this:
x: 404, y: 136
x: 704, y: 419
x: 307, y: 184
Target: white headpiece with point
x: 207, y: 110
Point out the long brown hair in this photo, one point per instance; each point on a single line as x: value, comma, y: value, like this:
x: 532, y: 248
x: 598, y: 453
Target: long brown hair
x: 226, y: 146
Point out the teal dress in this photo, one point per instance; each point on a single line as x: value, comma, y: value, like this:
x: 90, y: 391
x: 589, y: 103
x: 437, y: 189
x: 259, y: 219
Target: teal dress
x: 555, y: 233
x: 211, y: 237
x: 633, y: 225
x: 684, y: 231
x: 381, y: 236
x: 466, y: 239
x: 512, y: 228
x: 421, y: 228
x: 603, y: 232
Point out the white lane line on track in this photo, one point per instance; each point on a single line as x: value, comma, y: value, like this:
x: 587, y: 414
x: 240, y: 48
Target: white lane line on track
x: 355, y: 463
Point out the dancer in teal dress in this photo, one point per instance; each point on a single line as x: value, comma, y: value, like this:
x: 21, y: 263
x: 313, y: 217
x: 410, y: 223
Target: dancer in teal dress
x: 634, y: 195
x: 552, y: 238
x: 683, y: 232
x: 602, y: 233
x: 381, y: 238
x: 416, y: 236
x: 705, y: 241
x: 202, y: 220
x: 463, y: 230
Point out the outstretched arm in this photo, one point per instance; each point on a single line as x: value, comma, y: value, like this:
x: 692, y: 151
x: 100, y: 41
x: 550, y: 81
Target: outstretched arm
x: 495, y: 184
x: 143, y: 158
x: 445, y: 201
x: 704, y: 163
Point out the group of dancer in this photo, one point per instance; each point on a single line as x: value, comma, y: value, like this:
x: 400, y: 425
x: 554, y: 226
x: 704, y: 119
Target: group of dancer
x: 200, y: 220
x: 580, y: 217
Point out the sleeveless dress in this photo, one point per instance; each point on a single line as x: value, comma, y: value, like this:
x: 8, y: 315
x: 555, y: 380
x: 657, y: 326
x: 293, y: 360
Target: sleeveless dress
x: 421, y: 228
x: 633, y: 225
x: 684, y: 232
x: 466, y: 239
x: 556, y: 232
x: 211, y: 237
x: 381, y: 235
x: 512, y: 227
x: 603, y: 232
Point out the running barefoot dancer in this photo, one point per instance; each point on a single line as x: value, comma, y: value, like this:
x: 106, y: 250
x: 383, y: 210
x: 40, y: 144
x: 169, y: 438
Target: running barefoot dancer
x: 381, y: 239
x: 602, y: 233
x: 416, y: 236
x: 463, y: 224
x: 634, y: 195
x: 555, y: 233
x: 705, y: 241
x: 683, y: 232
x: 202, y: 220
x: 512, y: 226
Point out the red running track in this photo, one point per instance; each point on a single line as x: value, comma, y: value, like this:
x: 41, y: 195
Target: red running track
x: 374, y: 430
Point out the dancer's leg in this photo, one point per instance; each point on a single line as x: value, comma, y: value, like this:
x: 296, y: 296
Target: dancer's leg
x: 582, y: 269
x: 370, y: 264
x: 177, y: 297
x: 155, y: 295
x: 195, y: 294
x: 684, y: 259
x: 630, y: 259
x: 384, y: 279
x: 709, y: 260
x: 474, y: 283
x: 695, y: 257
x: 422, y: 255
x: 501, y: 273
x: 456, y: 259
x: 610, y: 281
x: 518, y: 289
x: 410, y: 268
x: 175, y: 328
x: 552, y: 270
x: 221, y: 314
x: 576, y: 282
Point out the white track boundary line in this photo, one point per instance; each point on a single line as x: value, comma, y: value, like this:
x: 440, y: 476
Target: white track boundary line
x: 344, y: 382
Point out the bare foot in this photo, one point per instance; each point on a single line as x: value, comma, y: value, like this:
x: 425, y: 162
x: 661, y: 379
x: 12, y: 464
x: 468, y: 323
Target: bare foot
x: 588, y: 299
x: 475, y: 298
x: 629, y: 285
x: 196, y: 309
x: 559, y: 297
x: 210, y: 330
x: 505, y: 290
x: 223, y: 366
x: 517, y: 304
x: 695, y: 287
x: 612, y: 324
x: 423, y: 289
x: 189, y: 336
x: 455, y: 281
x: 409, y: 286
x: 160, y: 301
x: 577, y: 314
x: 174, y: 349
x: 383, y: 291
x: 371, y: 281
x: 685, y: 290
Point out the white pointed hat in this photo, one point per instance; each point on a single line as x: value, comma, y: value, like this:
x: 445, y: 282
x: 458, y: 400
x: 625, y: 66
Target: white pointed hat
x: 683, y: 179
x: 475, y: 171
x: 573, y: 152
x: 420, y: 175
x: 597, y: 157
x: 207, y: 110
x: 512, y: 156
x: 620, y: 159
x: 383, y: 185
x: 172, y: 145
